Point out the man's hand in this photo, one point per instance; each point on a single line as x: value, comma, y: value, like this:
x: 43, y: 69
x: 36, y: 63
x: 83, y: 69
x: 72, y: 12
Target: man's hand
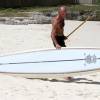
x: 65, y: 37
x: 58, y: 46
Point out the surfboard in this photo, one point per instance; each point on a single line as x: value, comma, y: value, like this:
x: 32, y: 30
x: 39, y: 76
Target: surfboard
x: 51, y: 62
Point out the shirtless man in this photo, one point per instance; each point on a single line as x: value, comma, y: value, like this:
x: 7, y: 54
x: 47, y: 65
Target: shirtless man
x: 57, y: 33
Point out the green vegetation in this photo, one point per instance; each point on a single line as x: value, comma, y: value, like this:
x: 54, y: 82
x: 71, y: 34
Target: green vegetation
x: 93, y: 8
x: 24, y: 11
x: 84, y: 7
x: 30, y: 9
x: 98, y: 2
x: 27, y: 11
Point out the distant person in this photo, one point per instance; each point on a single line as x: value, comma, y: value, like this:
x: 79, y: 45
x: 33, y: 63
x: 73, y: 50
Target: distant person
x: 57, y: 33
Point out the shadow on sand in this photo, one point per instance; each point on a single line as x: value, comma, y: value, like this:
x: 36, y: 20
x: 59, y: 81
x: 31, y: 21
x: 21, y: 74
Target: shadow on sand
x: 75, y: 80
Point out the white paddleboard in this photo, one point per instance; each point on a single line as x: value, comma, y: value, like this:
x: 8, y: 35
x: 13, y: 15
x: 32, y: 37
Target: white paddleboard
x: 51, y: 61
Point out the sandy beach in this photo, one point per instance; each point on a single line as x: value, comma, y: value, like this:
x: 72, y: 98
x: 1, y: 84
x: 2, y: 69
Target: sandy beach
x: 23, y: 38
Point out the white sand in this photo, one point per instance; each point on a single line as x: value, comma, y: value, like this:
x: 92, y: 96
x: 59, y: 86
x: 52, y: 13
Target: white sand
x: 21, y: 38
x: 86, y: 36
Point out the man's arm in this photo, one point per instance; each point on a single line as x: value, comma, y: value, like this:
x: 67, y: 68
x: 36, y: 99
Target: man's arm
x: 54, y: 33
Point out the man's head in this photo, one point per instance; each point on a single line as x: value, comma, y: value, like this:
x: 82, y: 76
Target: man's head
x: 62, y: 11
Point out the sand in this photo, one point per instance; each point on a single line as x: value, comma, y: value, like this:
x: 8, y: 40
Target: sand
x: 23, y: 38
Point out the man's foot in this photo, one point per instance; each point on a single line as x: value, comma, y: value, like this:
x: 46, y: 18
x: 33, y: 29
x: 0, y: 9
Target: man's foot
x: 69, y: 78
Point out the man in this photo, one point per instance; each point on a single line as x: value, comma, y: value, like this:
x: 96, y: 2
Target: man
x: 57, y: 33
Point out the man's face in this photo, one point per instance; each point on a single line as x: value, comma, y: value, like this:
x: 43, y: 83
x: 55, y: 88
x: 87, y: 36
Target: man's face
x: 63, y: 13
